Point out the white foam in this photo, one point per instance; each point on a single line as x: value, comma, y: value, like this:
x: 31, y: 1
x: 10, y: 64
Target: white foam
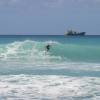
x: 20, y: 50
x: 52, y: 42
x: 27, y: 53
x: 32, y: 53
x: 30, y: 87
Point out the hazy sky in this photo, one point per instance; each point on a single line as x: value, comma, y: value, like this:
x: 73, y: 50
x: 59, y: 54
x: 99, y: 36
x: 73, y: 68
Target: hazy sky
x: 49, y: 16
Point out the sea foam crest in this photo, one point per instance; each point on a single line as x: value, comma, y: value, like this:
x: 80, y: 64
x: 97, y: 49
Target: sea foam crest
x: 27, y: 51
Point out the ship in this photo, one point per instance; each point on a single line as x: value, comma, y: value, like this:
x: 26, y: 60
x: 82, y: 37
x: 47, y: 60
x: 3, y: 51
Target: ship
x: 74, y: 33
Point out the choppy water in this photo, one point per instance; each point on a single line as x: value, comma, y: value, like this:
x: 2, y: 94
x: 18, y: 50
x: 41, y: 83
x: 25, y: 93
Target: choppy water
x: 69, y: 71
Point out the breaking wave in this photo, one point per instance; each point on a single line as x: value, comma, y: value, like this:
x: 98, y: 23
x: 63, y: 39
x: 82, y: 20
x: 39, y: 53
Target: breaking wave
x: 27, y: 56
x: 32, y: 51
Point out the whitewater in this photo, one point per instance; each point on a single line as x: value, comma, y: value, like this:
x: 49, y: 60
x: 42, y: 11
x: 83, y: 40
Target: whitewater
x: 69, y: 71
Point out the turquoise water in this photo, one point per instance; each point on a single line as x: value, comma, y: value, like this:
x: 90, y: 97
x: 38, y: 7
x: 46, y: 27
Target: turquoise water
x: 71, y: 68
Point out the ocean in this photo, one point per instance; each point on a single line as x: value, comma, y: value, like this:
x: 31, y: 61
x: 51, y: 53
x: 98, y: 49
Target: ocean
x: 70, y: 70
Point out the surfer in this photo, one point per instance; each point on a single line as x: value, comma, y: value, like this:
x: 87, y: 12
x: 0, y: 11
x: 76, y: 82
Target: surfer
x: 47, y: 47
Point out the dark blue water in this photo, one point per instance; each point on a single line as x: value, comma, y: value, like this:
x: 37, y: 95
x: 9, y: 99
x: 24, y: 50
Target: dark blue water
x: 91, y: 39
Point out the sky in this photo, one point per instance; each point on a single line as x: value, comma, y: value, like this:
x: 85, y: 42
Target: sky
x: 53, y: 17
